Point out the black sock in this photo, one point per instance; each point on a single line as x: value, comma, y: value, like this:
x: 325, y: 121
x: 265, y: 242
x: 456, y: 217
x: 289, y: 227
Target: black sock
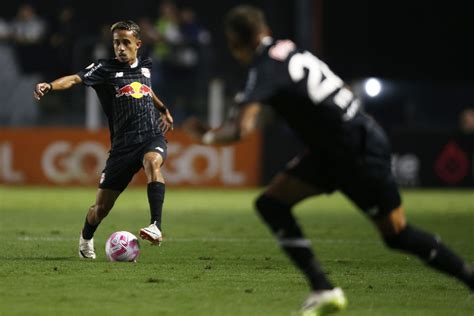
x: 156, y: 196
x: 433, y: 252
x: 291, y: 240
x: 88, y: 230
x: 448, y: 262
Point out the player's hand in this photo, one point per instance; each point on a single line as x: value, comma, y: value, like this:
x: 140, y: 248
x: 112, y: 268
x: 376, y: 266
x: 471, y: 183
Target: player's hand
x: 195, y: 128
x: 166, y: 123
x: 41, y: 89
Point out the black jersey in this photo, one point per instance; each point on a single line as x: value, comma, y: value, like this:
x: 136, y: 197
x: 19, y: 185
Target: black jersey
x: 304, y: 91
x: 126, y: 97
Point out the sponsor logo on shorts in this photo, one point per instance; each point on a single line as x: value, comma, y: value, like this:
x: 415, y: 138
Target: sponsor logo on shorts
x: 102, y: 178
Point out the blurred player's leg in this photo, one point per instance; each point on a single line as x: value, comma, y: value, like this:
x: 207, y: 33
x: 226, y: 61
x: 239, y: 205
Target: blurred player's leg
x: 274, y: 207
x: 152, y: 162
x: 324, y: 302
x: 105, y: 200
x: 429, y: 248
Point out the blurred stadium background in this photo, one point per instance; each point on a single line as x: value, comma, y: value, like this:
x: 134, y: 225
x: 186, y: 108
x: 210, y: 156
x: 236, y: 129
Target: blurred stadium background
x: 409, y: 62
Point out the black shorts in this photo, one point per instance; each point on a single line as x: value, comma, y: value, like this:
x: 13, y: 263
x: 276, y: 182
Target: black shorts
x: 364, y: 175
x: 123, y: 163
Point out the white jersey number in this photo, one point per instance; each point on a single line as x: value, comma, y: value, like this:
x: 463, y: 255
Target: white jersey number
x: 319, y: 88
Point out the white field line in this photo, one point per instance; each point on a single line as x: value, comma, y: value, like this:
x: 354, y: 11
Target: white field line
x: 211, y: 239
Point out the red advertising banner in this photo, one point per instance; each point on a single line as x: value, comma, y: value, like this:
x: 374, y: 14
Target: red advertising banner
x: 74, y: 156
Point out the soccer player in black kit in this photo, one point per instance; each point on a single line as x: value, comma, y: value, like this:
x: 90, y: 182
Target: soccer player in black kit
x: 137, y: 121
x: 346, y: 150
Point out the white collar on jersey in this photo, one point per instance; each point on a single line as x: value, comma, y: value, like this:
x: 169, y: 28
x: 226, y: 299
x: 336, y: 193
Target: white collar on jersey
x: 264, y: 42
x: 135, y: 64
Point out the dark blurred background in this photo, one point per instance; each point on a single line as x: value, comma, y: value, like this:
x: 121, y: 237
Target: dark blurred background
x: 419, y: 51
x: 417, y: 55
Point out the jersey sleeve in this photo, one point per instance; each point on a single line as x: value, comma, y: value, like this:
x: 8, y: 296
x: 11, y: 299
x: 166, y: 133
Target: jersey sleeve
x: 147, y: 62
x: 261, y: 84
x: 94, y: 74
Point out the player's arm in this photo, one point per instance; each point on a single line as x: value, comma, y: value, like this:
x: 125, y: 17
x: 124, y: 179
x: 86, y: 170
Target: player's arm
x: 166, y: 123
x: 62, y: 83
x: 232, y: 130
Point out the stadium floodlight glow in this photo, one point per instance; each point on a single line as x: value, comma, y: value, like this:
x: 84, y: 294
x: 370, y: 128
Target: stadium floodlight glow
x: 372, y: 87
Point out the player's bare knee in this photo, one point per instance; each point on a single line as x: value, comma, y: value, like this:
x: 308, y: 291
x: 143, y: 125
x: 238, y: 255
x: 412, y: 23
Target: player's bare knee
x: 152, y: 164
x: 152, y: 160
x: 153, y: 174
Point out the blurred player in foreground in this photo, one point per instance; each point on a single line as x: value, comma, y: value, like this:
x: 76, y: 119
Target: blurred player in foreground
x: 346, y: 150
x: 137, y: 121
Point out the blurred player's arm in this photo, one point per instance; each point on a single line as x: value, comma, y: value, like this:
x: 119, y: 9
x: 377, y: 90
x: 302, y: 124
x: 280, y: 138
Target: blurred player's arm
x: 62, y: 83
x: 233, y: 129
x: 166, y: 123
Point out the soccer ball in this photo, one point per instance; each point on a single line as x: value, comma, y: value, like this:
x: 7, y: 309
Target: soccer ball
x: 122, y: 246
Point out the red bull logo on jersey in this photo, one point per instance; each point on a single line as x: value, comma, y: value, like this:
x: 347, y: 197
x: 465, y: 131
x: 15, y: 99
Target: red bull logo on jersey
x: 135, y: 90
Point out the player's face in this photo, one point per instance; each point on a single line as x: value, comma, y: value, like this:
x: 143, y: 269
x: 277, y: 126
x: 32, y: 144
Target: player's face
x: 241, y: 52
x: 126, y: 46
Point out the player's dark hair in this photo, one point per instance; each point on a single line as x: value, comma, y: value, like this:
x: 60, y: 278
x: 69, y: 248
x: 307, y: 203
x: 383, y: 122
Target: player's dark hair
x: 245, y: 22
x: 128, y: 25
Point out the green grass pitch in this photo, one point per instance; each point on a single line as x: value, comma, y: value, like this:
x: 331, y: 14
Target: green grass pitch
x: 218, y: 258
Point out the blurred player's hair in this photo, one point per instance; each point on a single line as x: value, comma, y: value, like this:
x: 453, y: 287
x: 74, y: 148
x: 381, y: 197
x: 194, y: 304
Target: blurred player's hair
x: 245, y: 22
x: 128, y: 25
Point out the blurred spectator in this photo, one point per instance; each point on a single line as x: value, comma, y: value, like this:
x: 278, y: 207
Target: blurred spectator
x: 168, y: 36
x: 28, y: 31
x: 63, y: 35
x: 467, y: 121
x: 27, y: 27
x: 179, y: 53
x: 191, y: 54
x: 101, y: 49
x: 167, y: 27
x: 190, y: 30
x: 148, y: 35
x: 5, y: 30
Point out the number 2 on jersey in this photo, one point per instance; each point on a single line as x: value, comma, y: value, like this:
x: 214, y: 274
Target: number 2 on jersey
x: 321, y: 80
